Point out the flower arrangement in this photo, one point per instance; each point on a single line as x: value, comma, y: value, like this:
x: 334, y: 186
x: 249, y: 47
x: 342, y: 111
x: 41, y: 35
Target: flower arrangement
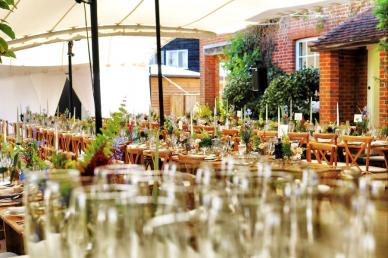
x: 361, y: 126
x: 286, y: 147
x: 301, y: 126
x: 30, y: 156
x: 297, y: 151
x: 246, y: 133
x: 202, y: 111
x: 60, y: 160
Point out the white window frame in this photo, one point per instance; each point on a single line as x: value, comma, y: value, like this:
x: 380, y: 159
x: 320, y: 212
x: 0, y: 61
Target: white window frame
x: 154, y: 61
x: 298, y: 56
x: 185, y: 64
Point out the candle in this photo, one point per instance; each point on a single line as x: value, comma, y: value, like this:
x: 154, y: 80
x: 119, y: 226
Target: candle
x: 291, y: 109
x: 311, y: 110
x: 278, y: 116
x: 5, y: 132
x: 215, y: 107
x: 337, y: 115
x: 180, y: 125
x: 245, y: 108
x: 266, y: 113
x: 191, y: 122
x: 17, y: 124
x: 74, y: 115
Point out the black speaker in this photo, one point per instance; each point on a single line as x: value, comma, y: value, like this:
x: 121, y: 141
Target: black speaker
x: 259, y: 79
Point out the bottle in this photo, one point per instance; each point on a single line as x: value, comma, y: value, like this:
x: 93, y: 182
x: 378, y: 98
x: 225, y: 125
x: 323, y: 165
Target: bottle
x: 278, y: 149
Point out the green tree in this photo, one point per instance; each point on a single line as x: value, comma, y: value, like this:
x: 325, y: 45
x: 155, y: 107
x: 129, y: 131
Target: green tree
x: 6, y: 30
x: 299, y: 86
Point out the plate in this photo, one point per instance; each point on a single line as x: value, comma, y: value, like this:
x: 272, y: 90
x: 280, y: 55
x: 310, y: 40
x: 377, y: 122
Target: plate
x: 15, y: 211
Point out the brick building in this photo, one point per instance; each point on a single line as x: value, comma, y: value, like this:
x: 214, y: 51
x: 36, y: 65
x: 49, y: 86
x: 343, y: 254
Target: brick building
x: 340, y: 40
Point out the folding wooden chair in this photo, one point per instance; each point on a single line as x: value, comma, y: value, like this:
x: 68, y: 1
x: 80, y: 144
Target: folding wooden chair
x: 266, y: 135
x: 189, y: 163
x: 321, y: 151
x: 326, y: 138
x: 302, y: 138
x: 360, y: 143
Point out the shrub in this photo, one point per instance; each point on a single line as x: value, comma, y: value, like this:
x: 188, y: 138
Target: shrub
x: 298, y: 86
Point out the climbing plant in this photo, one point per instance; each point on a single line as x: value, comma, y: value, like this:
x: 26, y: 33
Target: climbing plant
x: 6, y: 30
x: 381, y: 12
x: 250, y: 49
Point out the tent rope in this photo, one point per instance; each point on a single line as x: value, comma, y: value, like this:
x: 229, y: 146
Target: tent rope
x: 130, y: 13
x: 207, y: 15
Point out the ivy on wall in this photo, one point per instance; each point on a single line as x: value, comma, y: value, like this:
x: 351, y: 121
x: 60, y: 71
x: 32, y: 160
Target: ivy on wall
x: 381, y: 12
x: 250, y: 49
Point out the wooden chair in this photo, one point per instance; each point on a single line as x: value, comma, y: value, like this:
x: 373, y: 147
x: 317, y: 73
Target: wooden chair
x: 150, y: 155
x: 76, y: 145
x: 50, y: 139
x: 360, y: 143
x: 189, y: 164
x: 84, y: 143
x: 29, y: 132
x: 321, y: 151
x: 133, y: 155
x: 326, y: 138
x: 265, y: 136
x: 302, y: 138
x: 230, y: 132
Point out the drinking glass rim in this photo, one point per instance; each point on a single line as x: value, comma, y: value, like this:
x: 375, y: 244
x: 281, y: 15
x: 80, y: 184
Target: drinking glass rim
x: 45, y: 174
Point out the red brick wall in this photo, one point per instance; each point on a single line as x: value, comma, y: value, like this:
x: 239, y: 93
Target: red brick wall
x: 353, y: 67
x: 383, y: 88
x: 292, y: 29
x: 289, y: 31
x: 329, y: 85
x: 209, y: 69
x: 344, y: 80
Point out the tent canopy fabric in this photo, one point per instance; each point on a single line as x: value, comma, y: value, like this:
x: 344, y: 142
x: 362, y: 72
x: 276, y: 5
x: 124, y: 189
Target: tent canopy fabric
x: 42, y: 27
x: 46, y: 21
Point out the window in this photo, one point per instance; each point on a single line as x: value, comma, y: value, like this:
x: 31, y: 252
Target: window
x: 154, y: 59
x: 304, y: 56
x: 177, y: 58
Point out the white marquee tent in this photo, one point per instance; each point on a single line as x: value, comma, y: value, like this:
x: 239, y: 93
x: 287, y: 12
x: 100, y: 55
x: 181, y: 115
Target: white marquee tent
x: 37, y: 76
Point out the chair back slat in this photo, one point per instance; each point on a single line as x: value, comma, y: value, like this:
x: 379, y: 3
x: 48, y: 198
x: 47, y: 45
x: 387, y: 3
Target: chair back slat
x: 355, y: 146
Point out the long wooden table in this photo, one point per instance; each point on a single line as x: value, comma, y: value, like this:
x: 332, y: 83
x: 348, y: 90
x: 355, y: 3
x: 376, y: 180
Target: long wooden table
x: 13, y: 231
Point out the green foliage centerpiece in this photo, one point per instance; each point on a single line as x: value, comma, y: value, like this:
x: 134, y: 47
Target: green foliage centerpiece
x: 100, y: 151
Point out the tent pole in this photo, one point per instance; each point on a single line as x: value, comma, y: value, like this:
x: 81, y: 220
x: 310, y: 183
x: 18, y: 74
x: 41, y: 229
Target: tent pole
x: 96, y: 65
x: 159, y: 59
x: 70, y: 55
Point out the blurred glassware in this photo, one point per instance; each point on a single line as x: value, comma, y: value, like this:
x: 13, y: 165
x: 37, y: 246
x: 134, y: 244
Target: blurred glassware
x: 47, y: 196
